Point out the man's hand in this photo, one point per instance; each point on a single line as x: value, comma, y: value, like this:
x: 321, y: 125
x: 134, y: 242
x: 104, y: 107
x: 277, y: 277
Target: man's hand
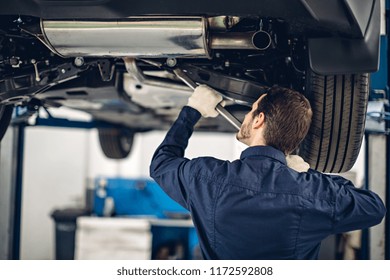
x: 204, y: 100
x: 297, y: 163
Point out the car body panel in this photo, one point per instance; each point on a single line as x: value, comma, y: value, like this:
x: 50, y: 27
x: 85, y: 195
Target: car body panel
x: 338, y: 55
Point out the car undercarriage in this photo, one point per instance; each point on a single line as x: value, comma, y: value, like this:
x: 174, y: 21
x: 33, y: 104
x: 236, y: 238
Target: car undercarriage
x: 120, y: 68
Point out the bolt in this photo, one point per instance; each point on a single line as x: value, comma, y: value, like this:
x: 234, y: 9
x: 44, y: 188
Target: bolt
x: 227, y: 63
x: 14, y: 61
x: 171, y: 62
x: 229, y: 22
x: 63, y: 71
x: 79, y: 61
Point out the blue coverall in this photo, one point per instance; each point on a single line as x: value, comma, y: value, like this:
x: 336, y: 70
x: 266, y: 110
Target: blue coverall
x: 257, y: 207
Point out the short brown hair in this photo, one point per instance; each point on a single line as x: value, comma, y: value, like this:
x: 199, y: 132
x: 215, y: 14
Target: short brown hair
x: 287, y: 118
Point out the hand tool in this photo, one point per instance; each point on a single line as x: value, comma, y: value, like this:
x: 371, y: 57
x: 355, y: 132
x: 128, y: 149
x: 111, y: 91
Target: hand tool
x: 220, y: 109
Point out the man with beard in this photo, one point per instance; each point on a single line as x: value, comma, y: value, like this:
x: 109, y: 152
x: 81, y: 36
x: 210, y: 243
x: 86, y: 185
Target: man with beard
x: 258, y: 207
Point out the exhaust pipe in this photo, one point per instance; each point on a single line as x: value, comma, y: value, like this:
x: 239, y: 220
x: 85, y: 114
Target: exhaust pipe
x: 150, y: 37
x: 259, y: 40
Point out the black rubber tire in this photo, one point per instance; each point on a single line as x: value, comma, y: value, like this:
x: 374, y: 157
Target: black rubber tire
x: 339, y: 105
x: 116, y: 143
x: 5, y: 118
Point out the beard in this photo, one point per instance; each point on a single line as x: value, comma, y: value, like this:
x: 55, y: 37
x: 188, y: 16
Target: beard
x: 245, y: 133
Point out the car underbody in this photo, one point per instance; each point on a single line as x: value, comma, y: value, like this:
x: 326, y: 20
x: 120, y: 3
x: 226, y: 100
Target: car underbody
x: 118, y: 63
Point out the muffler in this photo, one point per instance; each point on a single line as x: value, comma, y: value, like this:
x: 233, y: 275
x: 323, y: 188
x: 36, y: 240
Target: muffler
x: 131, y: 37
x: 144, y: 37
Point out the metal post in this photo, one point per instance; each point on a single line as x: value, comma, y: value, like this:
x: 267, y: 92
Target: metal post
x: 6, y: 196
x: 387, y: 197
x: 365, y: 254
x: 377, y: 183
x: 20, y: 131
x: 11, y: 170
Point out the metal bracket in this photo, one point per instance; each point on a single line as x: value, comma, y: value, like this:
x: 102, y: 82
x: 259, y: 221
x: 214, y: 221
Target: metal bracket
x: 16, y: 91
x: 377, y: 118
x: 241, y: 91
x: 106, y: 69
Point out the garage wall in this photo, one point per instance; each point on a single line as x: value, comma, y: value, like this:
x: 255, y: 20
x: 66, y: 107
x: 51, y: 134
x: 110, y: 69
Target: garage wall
x: 53, y: 177
x: 137, y: 165
x: 59, y: 162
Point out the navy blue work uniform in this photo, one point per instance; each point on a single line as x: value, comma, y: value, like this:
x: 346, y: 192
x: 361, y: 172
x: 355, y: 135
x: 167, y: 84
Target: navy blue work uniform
x: 257, y: 207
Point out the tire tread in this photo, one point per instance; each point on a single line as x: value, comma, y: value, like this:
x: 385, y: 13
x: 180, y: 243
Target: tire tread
x: 339, y: 105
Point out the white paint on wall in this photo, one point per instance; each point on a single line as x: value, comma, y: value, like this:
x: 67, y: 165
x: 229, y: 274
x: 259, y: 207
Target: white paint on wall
x: 53, y: 177
x: 218, y: 145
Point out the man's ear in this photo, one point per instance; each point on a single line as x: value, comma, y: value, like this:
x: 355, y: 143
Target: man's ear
x: 259, y: 121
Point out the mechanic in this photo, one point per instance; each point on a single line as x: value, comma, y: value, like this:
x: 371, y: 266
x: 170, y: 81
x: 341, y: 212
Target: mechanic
x: 258, y: 207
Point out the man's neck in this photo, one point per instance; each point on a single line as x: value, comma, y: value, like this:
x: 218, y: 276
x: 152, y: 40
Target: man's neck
x: 258, y: 142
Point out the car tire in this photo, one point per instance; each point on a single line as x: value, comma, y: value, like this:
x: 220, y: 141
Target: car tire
x: 5, y: 118
x: 116, y: 143
x: 339, y: 105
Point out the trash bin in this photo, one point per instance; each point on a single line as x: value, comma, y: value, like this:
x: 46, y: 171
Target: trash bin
x: 65, y: 230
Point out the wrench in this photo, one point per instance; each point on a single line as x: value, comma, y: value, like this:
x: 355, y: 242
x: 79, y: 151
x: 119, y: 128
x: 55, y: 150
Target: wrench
x: 219, y: 108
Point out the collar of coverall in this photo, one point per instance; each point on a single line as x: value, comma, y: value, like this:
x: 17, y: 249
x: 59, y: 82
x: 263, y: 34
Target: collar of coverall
x: 264, y: 151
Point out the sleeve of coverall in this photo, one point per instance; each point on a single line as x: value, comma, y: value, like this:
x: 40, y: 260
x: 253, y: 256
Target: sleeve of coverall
x: 169, y: 168
x: 355, y: 208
